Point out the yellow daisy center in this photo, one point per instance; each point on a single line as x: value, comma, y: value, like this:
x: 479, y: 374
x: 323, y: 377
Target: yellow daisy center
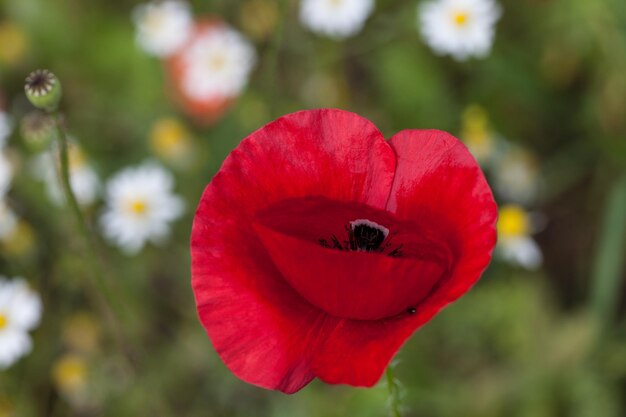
x: 475, y: 127
x: 167, y: 135
x: 460, y: 18
x: 155, y: 20
x: 3, y: 321
x: 137, y: 207
x: 513, y: 221
x: 69, y: 373
x: 335, y: 3
x: 20, y: 242
x: 216, y: 62
x: 14, y: 42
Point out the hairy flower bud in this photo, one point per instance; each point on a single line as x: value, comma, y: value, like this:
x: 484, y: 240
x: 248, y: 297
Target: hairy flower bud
x: 38, y: 130
x: 43, y: 89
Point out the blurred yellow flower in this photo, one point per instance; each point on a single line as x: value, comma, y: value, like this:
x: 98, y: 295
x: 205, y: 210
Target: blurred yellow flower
x: 14, y: 43
x: 19, y: 243
x: 171, y: 141
x: 513, y: 221
x: 258, y: 18
x: 475, y: 133
x: 81, y: 332
x: 6, y: 407
x: 69, y: 374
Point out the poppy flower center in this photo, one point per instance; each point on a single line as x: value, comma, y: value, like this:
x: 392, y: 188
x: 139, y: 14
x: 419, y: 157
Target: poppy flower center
x: 340, y: 257
x: 363, y: 235
x: 366, y: 235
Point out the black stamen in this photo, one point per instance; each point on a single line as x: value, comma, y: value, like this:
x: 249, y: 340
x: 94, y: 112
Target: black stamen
x: 365, y: 237
x: 336, y: 243
x: 411, y: 310
x: 396, y: 253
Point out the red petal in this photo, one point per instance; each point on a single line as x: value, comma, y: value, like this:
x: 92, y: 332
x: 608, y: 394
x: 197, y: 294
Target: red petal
x: 344, y: 283
x: 262, y: 329
x: 438, y: 182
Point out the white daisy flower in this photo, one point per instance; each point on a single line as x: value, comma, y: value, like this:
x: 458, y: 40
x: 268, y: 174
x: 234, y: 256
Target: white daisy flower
x: 522, y: 251
x: 515, y: 243
x: 83, y: 178
x: 517, y: 177
x: 337, y: 19
x: 5, y: 128
x: 217, y: 63
x: 140, y: 207
x: 6, y: 174
x: 162, y: 27
x: 20, y: 312
x: 460, y: 28
x: 8, y: 221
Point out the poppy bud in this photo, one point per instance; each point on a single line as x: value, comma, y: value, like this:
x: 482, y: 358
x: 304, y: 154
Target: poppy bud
x: 43, y: 89
x: 38, y: 130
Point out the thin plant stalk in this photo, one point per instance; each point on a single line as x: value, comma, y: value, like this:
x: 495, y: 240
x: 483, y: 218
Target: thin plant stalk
x: 102, y: 294
x: 393, y: 389
x: 273, y: 56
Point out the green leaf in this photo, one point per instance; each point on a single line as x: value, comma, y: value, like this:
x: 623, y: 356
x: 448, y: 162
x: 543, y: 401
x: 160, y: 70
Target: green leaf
x: 610, y: 255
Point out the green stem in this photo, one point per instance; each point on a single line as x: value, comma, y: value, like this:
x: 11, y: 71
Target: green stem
x: 609, y: 258
x: 393, y: 388
x: 102, y: 295
x: 273, y: 57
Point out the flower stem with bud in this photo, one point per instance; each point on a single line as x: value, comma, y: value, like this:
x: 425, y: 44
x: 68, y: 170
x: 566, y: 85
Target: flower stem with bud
x: 43, y: 90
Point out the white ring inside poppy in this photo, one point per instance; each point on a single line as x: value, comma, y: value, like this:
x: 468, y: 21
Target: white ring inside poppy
x: 369, y: 223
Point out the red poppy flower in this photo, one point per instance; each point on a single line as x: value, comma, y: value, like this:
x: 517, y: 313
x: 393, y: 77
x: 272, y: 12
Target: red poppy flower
x: 320, y: 247
x: 207, y: 74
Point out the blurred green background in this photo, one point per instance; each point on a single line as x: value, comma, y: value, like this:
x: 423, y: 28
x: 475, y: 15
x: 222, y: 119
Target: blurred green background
x: 545, y: 342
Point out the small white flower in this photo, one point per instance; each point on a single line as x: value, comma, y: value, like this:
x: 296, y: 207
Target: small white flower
x: 83, y: 178
x: 5, y: 128
x: 522, y: 251
x: 460, y: 28
x: 6, y: 174
x: 162, y: 27
x: 516, y: 176
x: 337, y: 19
x: 20, y: 312
x: 140, y: 206
x: 8, y: 221
x: 515, y: 244
x: 216, y: 64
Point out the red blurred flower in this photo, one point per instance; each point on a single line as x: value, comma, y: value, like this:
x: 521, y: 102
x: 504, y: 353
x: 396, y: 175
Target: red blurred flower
x: 210, y: 71
x: 319, y: 247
